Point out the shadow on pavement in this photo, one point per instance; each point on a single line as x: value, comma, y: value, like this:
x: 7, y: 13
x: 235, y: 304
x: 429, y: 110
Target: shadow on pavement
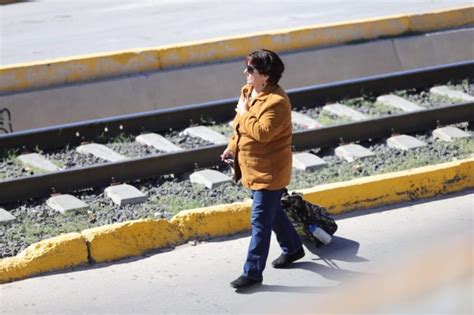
x: 331, y: 272
x: 284, y: 288
x: 340, y: 248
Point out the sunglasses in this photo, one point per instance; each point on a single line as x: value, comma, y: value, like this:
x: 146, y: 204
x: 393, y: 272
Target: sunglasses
x: 250, y: 69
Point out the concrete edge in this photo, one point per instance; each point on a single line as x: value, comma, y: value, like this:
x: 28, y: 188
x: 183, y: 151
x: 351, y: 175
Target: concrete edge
x: 56, y: 253
x: 396, y: 187
x: 24, y: 76
x: 213, y: 221
x: 132, y: 238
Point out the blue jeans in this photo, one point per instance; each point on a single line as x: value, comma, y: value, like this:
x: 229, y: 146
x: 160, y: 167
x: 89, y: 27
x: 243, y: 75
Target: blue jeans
x: 268, y: 215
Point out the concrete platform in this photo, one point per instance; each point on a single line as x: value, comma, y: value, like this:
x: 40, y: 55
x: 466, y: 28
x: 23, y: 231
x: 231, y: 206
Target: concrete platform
x: 195, y: 279
x: 200, y: 83
x: 31, y: 29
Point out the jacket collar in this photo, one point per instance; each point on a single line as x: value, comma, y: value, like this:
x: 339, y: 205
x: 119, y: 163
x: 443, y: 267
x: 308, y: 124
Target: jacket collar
x: 266, y: 91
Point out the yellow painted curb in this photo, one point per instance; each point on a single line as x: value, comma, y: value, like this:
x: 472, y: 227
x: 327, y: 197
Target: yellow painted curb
x: 442, y: 19
x: 394, y: 187
x: 213, y: 221
x: 55, y: 72
x: 132, y: 238
x: 56, y: 253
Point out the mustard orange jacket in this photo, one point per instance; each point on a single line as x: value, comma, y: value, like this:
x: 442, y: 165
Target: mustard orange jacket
x: 261, y: 140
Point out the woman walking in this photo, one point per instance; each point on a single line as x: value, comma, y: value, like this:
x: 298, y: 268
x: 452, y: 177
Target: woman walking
x: 260, y: 148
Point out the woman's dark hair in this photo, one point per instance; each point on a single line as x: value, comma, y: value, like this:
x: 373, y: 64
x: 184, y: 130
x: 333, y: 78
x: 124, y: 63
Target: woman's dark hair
x: 268, y: 63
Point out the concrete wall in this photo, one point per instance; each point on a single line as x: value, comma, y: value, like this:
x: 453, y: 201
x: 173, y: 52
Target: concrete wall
x: 195, y: 84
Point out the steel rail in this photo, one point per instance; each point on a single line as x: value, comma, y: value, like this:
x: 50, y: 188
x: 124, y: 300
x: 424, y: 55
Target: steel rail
x: 219, y: 111
x: 146, y: 167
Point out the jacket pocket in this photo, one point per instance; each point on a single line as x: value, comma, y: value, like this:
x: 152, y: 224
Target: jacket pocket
x: 259, y: 170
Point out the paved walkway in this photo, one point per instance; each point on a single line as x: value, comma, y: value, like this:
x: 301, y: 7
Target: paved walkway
x: 39, y: 30
x: 195, y: 279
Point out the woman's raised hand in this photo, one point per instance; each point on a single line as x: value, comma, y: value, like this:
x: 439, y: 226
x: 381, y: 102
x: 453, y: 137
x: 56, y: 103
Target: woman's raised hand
x: 242, y: 106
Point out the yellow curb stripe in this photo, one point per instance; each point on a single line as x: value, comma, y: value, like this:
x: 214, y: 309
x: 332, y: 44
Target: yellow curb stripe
x: 282, y: 40
x: 441, y: 19
x: 385, y: 189
x: 56, y: 253
x: 133, y: 238
x: 55, y: 72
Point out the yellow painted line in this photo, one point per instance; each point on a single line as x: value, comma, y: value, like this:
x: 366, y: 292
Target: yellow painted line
x: 25, y: 76
x: 133, y: 238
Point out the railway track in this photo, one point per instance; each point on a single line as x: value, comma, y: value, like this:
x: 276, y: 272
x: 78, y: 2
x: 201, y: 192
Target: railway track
x: 207, y: 155
x: 164, y: 177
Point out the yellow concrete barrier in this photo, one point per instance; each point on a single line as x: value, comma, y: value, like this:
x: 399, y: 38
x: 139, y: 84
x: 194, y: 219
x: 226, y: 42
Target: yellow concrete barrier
x: 213, y: 221
x: 56, y: 253
x: 394, y: 187
x: 25, y: 76
x: 132, y: 238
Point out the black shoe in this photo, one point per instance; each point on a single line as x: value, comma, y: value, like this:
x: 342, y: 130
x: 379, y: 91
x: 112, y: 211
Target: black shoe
x: 244, y: 282
x: 284, y: 260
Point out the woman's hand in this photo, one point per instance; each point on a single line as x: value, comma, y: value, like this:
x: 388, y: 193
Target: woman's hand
x: 227, y: 156
x: 242, y: 106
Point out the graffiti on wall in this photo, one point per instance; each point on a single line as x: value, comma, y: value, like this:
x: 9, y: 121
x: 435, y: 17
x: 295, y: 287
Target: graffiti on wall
x: 5, y: 121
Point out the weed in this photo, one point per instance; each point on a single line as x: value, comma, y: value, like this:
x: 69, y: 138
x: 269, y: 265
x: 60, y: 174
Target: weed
x: 37, y: 149
x: 224, y: 129
x: 175, y: 204
x: 122, y: 138
x: 11, y: 154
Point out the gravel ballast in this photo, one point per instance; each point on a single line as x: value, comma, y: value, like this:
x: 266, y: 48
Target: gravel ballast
x: 170, y: 194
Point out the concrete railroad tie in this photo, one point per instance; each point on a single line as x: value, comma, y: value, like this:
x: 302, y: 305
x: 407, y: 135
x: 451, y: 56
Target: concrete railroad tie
x: 38, y: 162
x: 344, y: 111
x: 158, y: 142
x: 206, y: 134
x: 100, y: 151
